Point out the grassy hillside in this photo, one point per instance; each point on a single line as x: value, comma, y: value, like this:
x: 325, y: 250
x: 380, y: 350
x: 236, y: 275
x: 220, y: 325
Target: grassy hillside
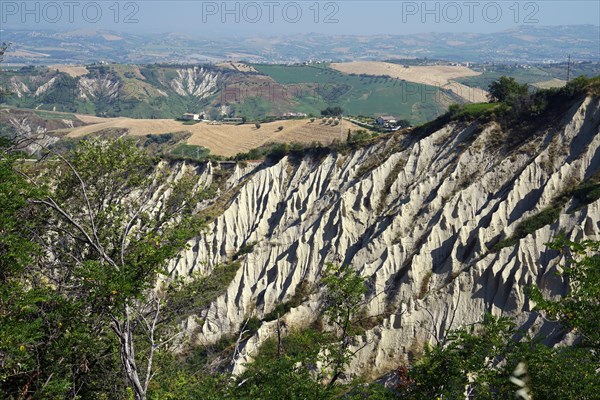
x: 321, y: 86
x: 158, y: 91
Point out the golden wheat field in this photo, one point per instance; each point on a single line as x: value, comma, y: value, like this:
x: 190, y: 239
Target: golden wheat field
x: 435, y: 75
x: 72, y: 70
x: 225, y: 140
x: 552, y: 83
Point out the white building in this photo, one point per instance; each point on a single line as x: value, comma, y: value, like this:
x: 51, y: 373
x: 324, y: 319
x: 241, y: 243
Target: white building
x: 190, y: 117
x: 386, y: 121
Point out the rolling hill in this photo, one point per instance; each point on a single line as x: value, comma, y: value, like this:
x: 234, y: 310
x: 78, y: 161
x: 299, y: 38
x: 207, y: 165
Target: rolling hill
x: 254, y: 92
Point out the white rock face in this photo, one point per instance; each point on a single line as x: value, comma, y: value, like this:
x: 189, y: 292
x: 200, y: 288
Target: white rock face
x: 91, y: 88
x: 197, y: 81
x: 17, y: 87
x: 417, y: 217
x: 44, y: 88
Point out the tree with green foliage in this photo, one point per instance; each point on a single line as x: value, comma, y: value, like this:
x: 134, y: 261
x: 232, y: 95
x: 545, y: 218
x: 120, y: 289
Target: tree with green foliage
x: 21, y: 334
x: 482, y: 361
x: 332, y: 112
x: 285, y: 371
x: 578, y: 310
x: 343, y: 300
x: 360, y: 136
x: 465, y: 363
x: 506, y: 89
x: 111, y: 223
x: 48, y: 348
x: 288, y: 367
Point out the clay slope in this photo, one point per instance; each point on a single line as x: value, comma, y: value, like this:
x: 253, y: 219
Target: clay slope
x: 417, y: 216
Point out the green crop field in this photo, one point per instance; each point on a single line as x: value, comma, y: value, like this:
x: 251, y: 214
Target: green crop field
x: 254, y: 108
x: 289, y: 74
x: 356, y: 94
x: 54, y: 115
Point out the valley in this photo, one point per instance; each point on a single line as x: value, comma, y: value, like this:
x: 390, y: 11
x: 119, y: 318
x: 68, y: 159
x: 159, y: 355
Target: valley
x: 86, y: 46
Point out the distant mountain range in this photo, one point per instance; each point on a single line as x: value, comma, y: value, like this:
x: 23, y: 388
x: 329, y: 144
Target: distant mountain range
x: 525, y: 44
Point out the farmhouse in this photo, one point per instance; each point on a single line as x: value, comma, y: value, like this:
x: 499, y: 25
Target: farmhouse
x: 294, y: 115
x: 190, y: 117
x: 386, y: 121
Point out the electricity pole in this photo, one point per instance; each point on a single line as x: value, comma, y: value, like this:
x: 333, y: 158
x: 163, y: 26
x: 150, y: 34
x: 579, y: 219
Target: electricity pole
x: 569, y: 69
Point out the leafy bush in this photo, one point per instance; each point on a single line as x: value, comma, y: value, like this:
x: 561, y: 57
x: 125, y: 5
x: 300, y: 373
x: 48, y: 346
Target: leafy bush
x: 530, y: 225
x: 189, y: 152
x: 332, y: 112
x: 482, y: 361
x: 578, y: 310
x: 246, y: 248
x: 302, y: 291
x: 584, y: 193
x: 190, y: 297
x: 506, y: 89
x: 471, y: 111
x: 158, y: 139
x: 359, y: 136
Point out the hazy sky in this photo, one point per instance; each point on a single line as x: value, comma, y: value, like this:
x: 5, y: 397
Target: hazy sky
x: 217, y: 18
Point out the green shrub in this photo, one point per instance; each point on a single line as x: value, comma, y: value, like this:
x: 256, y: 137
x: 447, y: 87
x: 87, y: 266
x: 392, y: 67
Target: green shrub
x: 245, y: 249
x: 187, y: 298
x: 299, y: 296
x: 506, y: 89
x: 529, y: 225
x: 358, y: 137
x: 189, y: 152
